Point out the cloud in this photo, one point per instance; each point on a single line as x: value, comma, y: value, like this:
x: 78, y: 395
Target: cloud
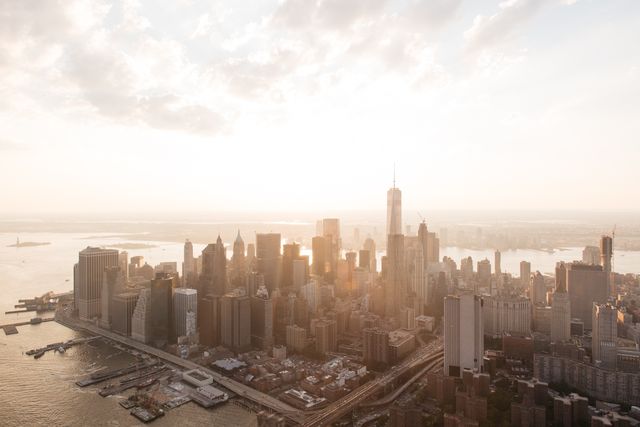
x: 307, y: 39
x: 65, y: 55
x: 498, y: 28
x: 326, y: 14
x: 8, y: 145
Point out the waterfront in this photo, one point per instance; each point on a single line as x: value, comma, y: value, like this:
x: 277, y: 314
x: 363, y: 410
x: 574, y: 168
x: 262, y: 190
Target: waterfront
x: 43, y: 391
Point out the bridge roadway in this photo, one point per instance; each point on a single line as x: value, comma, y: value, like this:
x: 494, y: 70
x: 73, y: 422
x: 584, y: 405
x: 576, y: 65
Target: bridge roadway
x: 247, y: 392
x: 335, y: 411
x: 391, y: 397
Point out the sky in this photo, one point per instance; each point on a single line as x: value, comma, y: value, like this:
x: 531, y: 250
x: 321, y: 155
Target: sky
x: 307, y: 105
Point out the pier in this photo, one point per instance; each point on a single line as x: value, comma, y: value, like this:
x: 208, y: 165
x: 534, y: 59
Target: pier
x: 45, y: 302
x: 11, y: 328
x: 100, y: 376
x: 58, y: 346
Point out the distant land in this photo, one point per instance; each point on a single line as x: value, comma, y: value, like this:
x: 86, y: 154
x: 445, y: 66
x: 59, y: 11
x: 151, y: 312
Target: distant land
x: 132, y: 246
x: 28, y: 244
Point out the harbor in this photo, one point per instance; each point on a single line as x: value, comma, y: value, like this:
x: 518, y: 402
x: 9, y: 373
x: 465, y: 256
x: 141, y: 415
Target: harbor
x: 148, y: 387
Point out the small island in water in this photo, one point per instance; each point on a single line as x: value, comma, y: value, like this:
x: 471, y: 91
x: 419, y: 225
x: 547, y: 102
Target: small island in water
x: 19, y: 244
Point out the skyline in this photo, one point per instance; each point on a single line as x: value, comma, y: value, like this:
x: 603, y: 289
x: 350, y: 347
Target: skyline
x: 230, y: 107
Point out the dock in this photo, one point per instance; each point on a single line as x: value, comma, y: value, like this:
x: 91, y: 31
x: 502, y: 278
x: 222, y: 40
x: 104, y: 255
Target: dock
x: 11, y: 328
x: 142, y: 380
x: 104, y: 375
x: 58, y: 346
x: 45, y: 302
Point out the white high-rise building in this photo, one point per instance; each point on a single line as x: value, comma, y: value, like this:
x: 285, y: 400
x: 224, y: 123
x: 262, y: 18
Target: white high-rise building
x: 394, y: 211
x: 185, y: 300
x: 504, y: 314
x: 604, y: 334
x: 560, y: 317
x: 463, y: 333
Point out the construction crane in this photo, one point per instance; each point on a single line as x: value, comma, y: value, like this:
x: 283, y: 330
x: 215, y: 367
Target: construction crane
x: 421, y: 217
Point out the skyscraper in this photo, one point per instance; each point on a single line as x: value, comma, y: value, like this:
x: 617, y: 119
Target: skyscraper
x: 238, y: 271
x: 606, y: 254
x: 235, y: 321
x: 396, y: 283
x: 262, y: 319
x: 319, y: 254
x: 213, y: 279
x: 498, y: 268
x: 506, y: 314
x: 604, y: 334
x: 123, y: 263
x: 538, y: 289
x: 375, y: 345
x: 209, y: 320
x: 561, y: 277
x: 123, y: 307
x: 331, y: 232
x: 423, y: 238
x: 415, y: 271
x: 112, y: 283
x: 591, y: 255
x: 394, y: 210
x: 560, y: 316
x: 88, y: 280
x: 466, y: 268
x: 484, y: 272
x: 326, y: 332
x: 370, y: 245
x: 525, y: 274
x: 185, y: 301
x: 188, y: 265
x: 296, y: 338
x: 141, y: 317
x: 290, y: 253
x: 463, y: 334
x: 586, y: 284
x: 269, y: 259
x: 161, y: 299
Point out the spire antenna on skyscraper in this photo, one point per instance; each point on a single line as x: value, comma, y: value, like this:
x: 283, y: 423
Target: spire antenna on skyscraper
x: 394, y: 175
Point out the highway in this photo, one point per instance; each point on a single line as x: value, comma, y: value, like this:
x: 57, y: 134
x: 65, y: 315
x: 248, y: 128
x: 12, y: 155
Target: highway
x: 247, y: 392
x: 391, y: 397
x: 431, y: 354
